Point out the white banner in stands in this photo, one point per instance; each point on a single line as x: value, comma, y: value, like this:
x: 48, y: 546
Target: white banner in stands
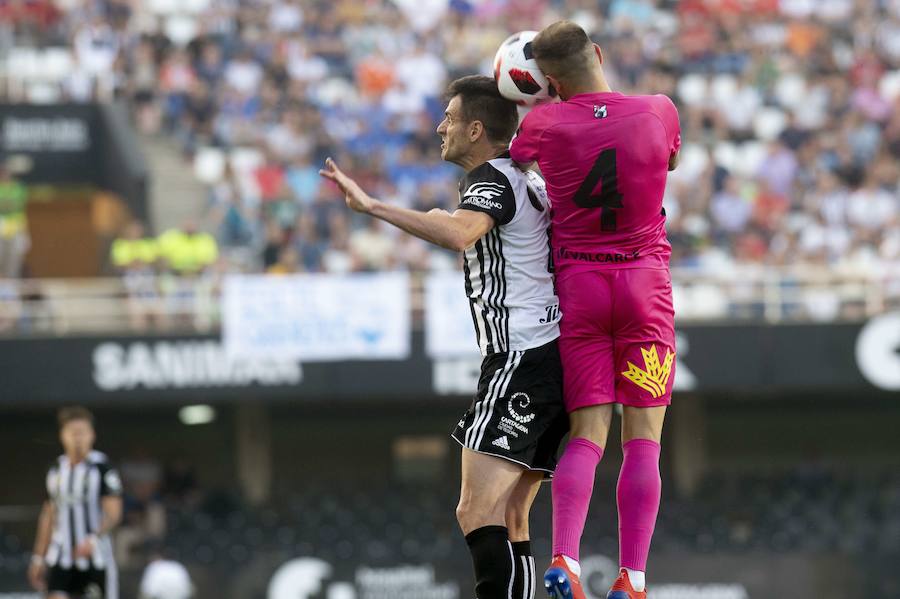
x: 449, y: 332
x: 315, y: 317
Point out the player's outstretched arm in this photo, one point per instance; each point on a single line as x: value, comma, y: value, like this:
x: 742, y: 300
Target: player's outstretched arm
x: 455, y: 231
x: 357, y: 199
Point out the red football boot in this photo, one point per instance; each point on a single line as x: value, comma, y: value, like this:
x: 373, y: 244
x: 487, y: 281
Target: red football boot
x: 622, y: 589
x: 560, y: 582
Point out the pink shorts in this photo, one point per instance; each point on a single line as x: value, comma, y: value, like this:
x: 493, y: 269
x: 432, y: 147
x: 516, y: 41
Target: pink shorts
x: 617, y: 337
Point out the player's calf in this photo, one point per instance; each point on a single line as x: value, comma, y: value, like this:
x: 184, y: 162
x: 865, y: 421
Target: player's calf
x: 518, y: 509
x: 492, y: 560
x: 487, y: 483
x: 637, y: 495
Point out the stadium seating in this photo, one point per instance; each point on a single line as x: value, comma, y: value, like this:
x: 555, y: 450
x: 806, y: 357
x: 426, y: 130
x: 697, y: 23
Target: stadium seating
x: 812, y: 511
x: 224, y: 95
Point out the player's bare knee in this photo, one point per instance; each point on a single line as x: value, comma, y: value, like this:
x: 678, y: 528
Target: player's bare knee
x: 642, y: 423
x: 472, y: 513
x: 591, y: 423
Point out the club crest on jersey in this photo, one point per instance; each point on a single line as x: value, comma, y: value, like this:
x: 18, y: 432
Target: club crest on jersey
x: 654, y: 377
x: 600, y: 112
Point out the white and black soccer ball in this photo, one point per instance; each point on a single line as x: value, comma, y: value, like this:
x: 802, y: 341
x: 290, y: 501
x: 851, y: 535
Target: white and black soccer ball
x: 517, y: 73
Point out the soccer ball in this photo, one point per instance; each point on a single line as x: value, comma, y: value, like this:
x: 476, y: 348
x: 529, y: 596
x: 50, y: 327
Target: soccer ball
x: 517, y: 73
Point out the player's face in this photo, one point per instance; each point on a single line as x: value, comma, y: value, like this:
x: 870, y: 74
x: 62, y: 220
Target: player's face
x: 77, y: 437
x: 453, y: 131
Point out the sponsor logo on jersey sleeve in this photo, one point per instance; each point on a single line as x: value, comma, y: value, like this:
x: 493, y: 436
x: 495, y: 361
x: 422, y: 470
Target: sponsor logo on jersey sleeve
x: 482, y: 194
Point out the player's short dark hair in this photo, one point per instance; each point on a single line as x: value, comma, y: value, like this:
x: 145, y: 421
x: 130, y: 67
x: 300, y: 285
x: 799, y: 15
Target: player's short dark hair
x: 72, y: 413
x: 562, y: 50
x: 481, y: 101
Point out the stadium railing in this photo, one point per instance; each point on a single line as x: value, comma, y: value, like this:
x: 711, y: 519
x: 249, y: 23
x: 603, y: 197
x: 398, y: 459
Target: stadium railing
x: 60, y: 307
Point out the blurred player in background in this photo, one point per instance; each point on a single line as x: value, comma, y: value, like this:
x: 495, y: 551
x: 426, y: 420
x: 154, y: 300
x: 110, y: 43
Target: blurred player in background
x: 605, y: 157
x: 83, y: 506
x: 511, y: 432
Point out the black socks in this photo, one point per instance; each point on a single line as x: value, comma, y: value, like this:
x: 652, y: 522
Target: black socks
x: 492, y: 558
x: 523, y: 584
x: 502, y: 569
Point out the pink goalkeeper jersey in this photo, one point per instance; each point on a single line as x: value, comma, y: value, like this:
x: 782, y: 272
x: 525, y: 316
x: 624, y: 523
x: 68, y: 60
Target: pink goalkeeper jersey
x: 605, y: 157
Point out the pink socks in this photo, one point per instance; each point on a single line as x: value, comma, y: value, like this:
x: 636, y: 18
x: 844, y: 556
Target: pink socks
x: 637, y: 495
x: 573, y: 484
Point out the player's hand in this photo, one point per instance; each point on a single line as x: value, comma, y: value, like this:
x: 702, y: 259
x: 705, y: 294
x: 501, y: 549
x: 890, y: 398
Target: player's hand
x: 85, y: 548
x: 36, y: 572
x: 356, y: 198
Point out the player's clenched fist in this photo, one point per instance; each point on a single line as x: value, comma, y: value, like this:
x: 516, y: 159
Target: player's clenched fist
x: 356, y: 198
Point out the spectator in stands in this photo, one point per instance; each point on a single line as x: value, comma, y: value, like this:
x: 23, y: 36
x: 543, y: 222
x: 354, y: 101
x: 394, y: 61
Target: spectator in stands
x: 303, y: 180
x: 774, y: 98
x: 33, y: 19
x: 133, y: 251
x: 142, y: 88
x: 309, y: 247
x: 373, y: 247
x: 288, y: 140
x: 288, y: 262
x: 199, y: 113
x: 276, y: 238
x: 231, y: 213
x: 176, y: 77
x: 96, y: 48
x: 188, y: 256
x: 187, y: 251
x: 14, y: 240
x: 135, y: 257
x: 338, y: 258
x: 243, y: 73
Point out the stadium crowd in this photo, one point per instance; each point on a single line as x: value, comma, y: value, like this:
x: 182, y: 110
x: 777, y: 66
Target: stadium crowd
x: 790, y: 112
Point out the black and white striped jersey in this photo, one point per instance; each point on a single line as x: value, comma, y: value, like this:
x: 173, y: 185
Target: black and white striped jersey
x: 508, y: 271
x: 76, y: 492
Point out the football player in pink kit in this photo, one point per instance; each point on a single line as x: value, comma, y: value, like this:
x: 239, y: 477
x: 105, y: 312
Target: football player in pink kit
x: 605, y: 157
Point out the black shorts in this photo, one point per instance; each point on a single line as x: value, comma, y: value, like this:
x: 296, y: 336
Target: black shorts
x: 80, y: 584
x: 518, y: 412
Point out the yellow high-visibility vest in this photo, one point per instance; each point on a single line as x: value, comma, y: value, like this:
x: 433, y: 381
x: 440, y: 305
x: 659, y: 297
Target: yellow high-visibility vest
x: 188, y: 253
x: 129, y: 251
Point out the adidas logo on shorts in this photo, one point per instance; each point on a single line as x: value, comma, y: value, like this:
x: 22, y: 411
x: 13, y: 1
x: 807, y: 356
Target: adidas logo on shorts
x: 502, y: 443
